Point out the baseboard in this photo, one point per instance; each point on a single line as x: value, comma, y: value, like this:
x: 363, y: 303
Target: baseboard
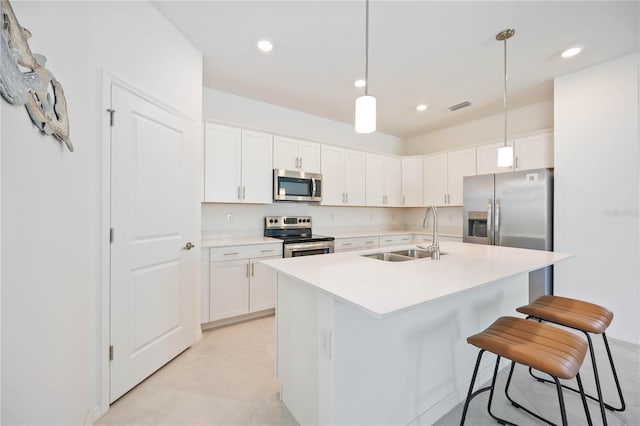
x: 92, y: 415
x: 238, y: 319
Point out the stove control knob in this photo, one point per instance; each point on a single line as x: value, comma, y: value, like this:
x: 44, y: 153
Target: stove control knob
x: 275, y: 220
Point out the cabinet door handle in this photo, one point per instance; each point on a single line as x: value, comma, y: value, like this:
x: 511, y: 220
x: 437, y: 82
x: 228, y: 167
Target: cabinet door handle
x: 346, y: 197
x: 300, y: 162
x: 346, y: 244
x: 244, y: 192
x: 247, y: 270
x: 403, y: 200
x: 231, y: 254
x: 369, y: 242
x: 445, y: 198
x: 448, y: 198
x: 516, y: 163
x: 239, y: 193
x: 266, y: 251
x: 253, y: 269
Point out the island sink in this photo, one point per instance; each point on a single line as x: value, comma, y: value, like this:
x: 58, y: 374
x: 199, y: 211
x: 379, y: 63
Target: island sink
x: 401, y: 255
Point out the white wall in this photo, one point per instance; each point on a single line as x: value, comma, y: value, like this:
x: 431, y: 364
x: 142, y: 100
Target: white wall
x: 524, y: 120
x: 51, y: 201
x: 596, y: 189
x: 252, y: 114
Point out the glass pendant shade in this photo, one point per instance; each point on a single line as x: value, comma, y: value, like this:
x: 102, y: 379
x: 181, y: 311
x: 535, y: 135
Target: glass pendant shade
x: 366, y: 114
x: 505, y: 156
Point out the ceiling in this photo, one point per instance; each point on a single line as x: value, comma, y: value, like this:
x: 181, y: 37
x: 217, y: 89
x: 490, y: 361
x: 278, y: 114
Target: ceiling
x: 436, y: 52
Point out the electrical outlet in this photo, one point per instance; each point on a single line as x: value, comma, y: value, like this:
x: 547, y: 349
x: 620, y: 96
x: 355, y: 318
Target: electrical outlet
x: 229, y: 218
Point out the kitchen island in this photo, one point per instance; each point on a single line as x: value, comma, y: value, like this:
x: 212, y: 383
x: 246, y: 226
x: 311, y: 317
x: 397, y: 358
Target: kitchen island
x: 365, y: 341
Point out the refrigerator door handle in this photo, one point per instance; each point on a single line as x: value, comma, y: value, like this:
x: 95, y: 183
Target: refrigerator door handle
x: 497, y: 223
x: 489, y: 216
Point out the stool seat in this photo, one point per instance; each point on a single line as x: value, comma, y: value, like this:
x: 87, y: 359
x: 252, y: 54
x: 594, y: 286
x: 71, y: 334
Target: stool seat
x: 541, y: 346
x: 570, y: 312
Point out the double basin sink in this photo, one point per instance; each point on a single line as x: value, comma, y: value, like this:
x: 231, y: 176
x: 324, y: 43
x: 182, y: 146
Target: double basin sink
x: 401, y: 255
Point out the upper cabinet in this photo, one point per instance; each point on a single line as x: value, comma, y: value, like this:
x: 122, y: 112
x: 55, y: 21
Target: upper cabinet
x: 531, y: 152
x: 237, y: 166
x: 534, y: 152
x: 412, y: 182
x: 343, y: 176
x: 384, y: 181
x: 443, y: 175
x: 294, y: 154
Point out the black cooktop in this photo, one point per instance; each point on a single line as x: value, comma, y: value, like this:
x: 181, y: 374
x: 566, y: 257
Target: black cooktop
x: 290, y: 239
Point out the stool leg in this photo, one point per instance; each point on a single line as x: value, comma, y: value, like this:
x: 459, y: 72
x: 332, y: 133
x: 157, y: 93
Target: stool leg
x: 470, y: 393
x: 597, y: 379
x: 615, y: 377
x: 493, y: 385
x: 563, y: 412
x: 584, y: 400
x: 517, y: 404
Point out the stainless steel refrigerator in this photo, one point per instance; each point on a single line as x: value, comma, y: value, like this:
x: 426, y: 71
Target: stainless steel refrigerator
x: 514, y: 210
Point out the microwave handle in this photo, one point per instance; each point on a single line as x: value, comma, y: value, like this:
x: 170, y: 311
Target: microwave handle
x: 313, y: 187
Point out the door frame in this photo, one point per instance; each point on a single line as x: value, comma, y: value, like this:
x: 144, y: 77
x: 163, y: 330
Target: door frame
x: 107, y: 79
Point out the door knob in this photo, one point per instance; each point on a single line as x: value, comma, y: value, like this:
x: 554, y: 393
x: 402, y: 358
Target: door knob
x: 189, y: 246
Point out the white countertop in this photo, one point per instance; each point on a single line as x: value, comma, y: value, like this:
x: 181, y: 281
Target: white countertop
x: 383, y: 288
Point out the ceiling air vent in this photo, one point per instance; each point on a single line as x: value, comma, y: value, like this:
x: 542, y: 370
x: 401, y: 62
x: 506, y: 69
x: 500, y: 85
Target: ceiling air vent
x: 459, y: 106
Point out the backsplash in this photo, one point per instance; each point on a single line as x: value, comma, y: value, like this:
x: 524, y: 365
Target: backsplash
x: 247, y: 220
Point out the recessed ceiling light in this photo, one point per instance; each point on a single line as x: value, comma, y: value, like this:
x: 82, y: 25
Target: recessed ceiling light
x: 571, y: 52
x: 422, y: 107
x: 360, y: 83
x: 265, y: 45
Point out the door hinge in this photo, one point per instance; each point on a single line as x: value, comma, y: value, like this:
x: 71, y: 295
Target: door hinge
x: 110, y: 352
x: 111, y: 235
x: 112, y: 114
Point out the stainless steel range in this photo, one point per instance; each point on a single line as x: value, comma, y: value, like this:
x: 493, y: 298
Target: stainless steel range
x: 298, y: 240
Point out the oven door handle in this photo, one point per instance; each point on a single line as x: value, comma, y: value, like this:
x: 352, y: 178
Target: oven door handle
x: 308, y: 246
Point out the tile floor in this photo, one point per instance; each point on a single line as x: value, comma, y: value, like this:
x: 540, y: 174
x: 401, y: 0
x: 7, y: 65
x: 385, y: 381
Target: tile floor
x: 228, y: 379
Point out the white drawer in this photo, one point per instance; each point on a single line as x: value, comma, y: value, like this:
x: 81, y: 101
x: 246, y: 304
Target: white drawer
x: 394, y: 240
x: 245, y: 252
x: 359, y: 243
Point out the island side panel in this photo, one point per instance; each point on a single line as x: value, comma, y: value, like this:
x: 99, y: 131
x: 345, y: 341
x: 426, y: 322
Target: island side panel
x: 413, y: 366
x: 297, y: 348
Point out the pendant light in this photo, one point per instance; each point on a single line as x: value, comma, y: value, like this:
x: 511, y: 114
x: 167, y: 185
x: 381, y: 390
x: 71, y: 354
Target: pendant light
x: 366, y: 104
x: 505, y: 153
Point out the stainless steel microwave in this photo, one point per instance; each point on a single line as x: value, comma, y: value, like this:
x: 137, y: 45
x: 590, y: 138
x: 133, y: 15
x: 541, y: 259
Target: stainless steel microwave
x: 292, y: 185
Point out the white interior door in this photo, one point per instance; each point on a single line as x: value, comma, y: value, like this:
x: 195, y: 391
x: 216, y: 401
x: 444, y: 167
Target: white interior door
x: 153, y: 276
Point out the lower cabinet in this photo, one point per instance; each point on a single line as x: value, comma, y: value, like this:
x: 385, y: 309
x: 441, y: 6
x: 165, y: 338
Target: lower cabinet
x: 238, y: 286
x: 395, y: 240
x: 357, y: 243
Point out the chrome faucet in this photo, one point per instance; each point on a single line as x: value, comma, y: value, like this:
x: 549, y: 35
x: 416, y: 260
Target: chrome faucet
x: 435, y: 241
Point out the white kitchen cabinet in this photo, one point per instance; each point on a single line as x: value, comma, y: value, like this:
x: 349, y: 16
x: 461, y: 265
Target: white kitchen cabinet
x: 294, y: 154
x: 228, y: 289
x: 262, y: 285
x: 459, y: 164
x: 443, y: 176
x: 412, y: 182
x: 435, y: 179
x: 395, y: 240
x: 426, y: 238
x: 383, y: 181
x: 531, y: 152
x: 237, y: 283
x: 356, y: 243
x: 343, y: 176
x: 534, y: 152
x: 238, y: 166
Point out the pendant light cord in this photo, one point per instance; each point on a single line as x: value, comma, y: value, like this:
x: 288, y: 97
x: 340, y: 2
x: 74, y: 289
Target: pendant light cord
x: 366, y: 52
x: 505, y: 92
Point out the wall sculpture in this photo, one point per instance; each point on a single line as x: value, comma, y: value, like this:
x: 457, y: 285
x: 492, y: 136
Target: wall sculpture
x: 36, y: 88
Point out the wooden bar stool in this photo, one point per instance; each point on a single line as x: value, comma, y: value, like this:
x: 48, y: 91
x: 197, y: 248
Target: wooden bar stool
x: 587, y: 318
x: 547, y: 348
